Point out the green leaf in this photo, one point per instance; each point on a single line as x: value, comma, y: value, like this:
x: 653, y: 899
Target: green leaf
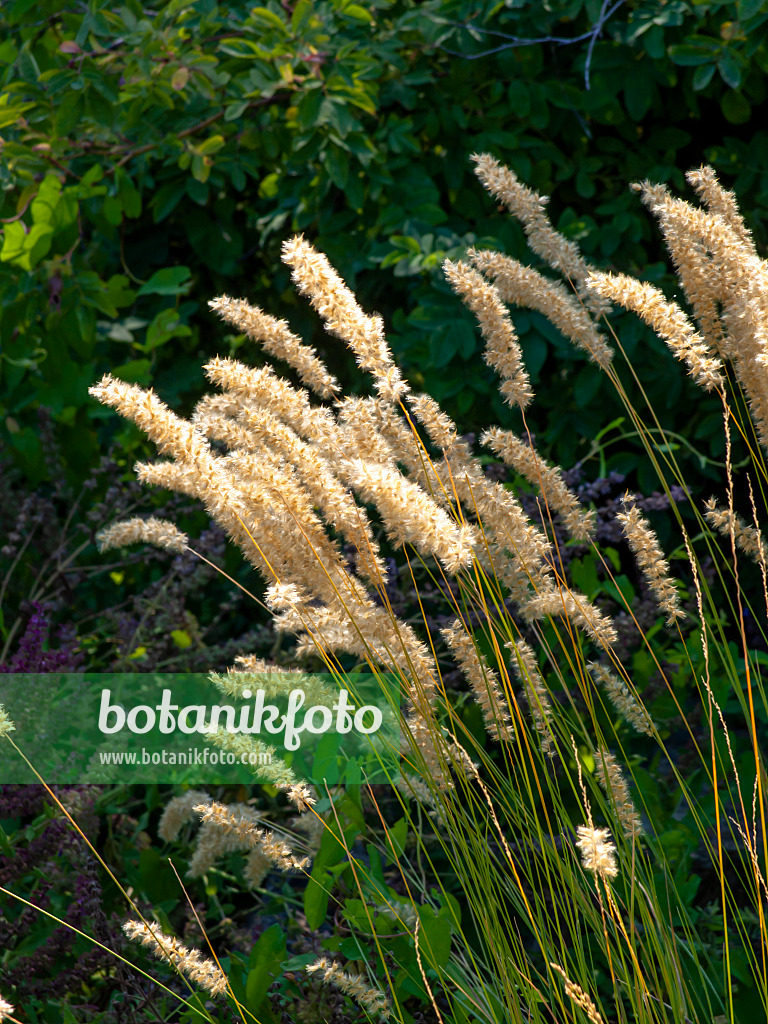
x: 166, y: 199
x: 749, y: 8
x: 245, y: 49
x: 268, y: 17
x: 265, y: 964
x: 11, y: 114
x: 201, y: 167
x: 301, y: 15
x: 38, y: 243
x: 211, y: 145
x: 237, y: 177
x: 702, y: 76
x: 113, y: 210
x: 168, y: 281
x: 197, y: 191
x: 316, y: 896
x: 43, y: 206
x: 729, y: 67
x: 357, y: 12
x: 435, y: 939
x: 27, y: 65
x: 361, y: 99
x: 68, y: 113
x: 269, y: 186
x: 92, y: 175
x: 638, y: 98
x: 121, y: 294
x: 165, y: 326
x: 735, y: 107
x: 179, y: 79
x: 336, y: 163
x: 690, y: 55
x: 445, y: 343
x: 66, y: 210
x: 19, y: 9
x: 136, y: 371
x: 181, y: 638
x: 13, y: 241
x: 235, y: 110
x: 95, y: 292
x: 519, y: 99
x: 130, y: 198
x: 397, y: 836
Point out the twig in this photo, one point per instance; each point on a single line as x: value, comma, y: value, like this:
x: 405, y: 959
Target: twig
x: 516, y: 41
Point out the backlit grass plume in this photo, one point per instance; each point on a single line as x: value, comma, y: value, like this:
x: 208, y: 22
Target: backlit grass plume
x: 571, y: 693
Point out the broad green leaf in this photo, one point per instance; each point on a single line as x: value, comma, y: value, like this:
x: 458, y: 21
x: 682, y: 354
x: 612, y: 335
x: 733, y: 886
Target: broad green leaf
x: 92, y: 175
x: 165, y: 326
x: 68, y: 113
x: 358, y: 13
x: 198, y: 191
x: 168, y: 281
x: 434, y: 940
x: 267, y: 17
x: 265, y: 963
x: 396, y: 837
x: 179, y: 78
x: 235, y: 110
x: 130, y: 198
x: 316, y: 896
x: 11, y: 114
x: 19, y: 9
x: 166, y: 199
x: 211, y: 145
x: 95, y: 292
x: 201, y: 167
x: 13, y: 241
x: 702, y: 76
x: 112, y: 209
x: 38, y: 243
x: 100, y: 108
x: 735, y: 107
x: 359, y: 98
x: 137, y: 371
x: 336, y: 164
x: 301, y: 15
x: 27, y: 65
x: 44, y: 204
x: 729, y: 67
x: 244, y: 49
x: 749, y: 8
x: 268, y: 186
x: 690, y: 55
x: 519, y: 99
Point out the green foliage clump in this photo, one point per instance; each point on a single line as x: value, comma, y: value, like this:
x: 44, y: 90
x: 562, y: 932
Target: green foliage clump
x: 150, y: 150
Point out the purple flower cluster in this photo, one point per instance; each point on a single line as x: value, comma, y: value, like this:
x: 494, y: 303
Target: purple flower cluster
x: 33, y: 653
x: 54, y: 860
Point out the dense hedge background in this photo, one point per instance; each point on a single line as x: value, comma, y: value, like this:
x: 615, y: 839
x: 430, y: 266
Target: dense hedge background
x: 154, y: 157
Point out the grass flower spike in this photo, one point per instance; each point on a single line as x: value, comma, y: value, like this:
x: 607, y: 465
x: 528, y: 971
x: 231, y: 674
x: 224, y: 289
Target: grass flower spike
x: 598, y: 854
x: 204, y: 973
x: 645, y: 546
x: 6, y: 725
x: 374, y: 1001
